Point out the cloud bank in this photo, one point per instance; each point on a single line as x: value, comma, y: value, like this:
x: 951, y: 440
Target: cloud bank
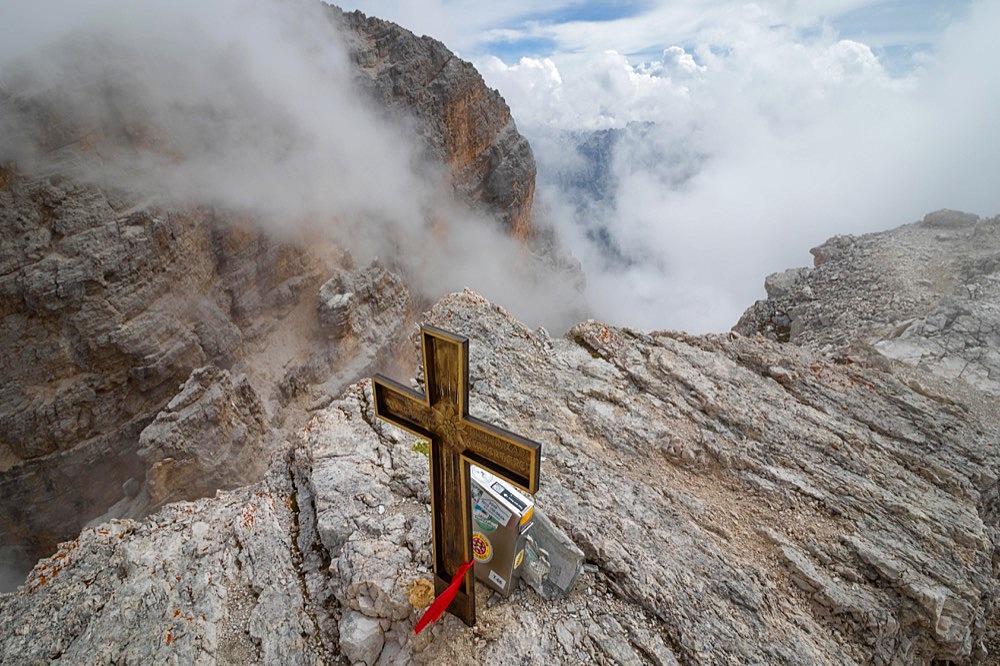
x: 250, y: 107
x: 749, y: 131
x: 759, y: 130
x: 781, y: 139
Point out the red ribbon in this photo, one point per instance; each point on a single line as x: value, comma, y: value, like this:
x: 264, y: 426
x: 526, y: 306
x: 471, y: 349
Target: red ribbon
x: 443, y: 599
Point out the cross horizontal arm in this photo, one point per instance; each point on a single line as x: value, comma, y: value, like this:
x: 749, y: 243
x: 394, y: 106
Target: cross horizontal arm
x: 401, y: 406
x: 505, y: 454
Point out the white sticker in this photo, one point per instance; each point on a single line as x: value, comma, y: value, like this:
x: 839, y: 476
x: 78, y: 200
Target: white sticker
x: 495, y: 510
x: 498, y: 579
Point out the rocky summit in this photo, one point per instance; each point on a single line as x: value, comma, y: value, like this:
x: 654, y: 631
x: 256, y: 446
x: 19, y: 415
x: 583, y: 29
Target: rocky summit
x: 737, y: 500
x: 927, y: 293
x: 188, y: 441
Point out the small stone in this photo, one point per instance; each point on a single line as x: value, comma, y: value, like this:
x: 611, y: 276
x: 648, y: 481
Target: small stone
x: 361, y: 638
x: 421, y: 593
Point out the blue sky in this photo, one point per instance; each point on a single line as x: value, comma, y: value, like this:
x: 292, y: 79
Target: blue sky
x: 899, y: 30
x: 640, y: 28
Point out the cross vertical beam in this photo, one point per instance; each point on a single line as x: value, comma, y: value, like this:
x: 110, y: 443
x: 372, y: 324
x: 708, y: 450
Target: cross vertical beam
x: 441, y: 416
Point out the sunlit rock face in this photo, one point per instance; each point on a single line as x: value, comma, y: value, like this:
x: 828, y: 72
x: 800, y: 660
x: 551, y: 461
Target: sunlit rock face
x: 111, y: 299
x: 463, y: 123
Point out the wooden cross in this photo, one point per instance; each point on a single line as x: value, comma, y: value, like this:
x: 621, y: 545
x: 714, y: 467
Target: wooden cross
x: 441, y: 416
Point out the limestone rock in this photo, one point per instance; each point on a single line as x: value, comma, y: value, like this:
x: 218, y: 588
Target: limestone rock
x: 212, y: 435
x: 359, y: 303
x: 946, y: 219
x: 212, y: 581
x: 463, y: 123
x: 737, y: 500
x: 925, y: 293
x: 107, y: 307
x: 786, y: 283
x: 361, y: 638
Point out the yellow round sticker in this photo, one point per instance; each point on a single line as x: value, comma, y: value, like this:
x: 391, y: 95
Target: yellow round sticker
x: 517, y: 560
x: 481, y: 547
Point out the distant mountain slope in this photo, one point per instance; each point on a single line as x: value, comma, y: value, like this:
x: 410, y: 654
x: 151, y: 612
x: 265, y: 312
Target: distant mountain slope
x: 926, y: 293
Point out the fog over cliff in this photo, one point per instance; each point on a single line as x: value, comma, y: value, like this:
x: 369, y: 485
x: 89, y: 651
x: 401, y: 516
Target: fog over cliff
x: 248, y: 107
x: 791, y: 122
x: 788, y: 134
x: 250, y: 113
x: 767, y: 130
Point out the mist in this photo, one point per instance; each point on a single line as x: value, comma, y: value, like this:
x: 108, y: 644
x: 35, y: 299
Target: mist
x: 14, y: 565
x: 249, y: 108
x: 751, y: 139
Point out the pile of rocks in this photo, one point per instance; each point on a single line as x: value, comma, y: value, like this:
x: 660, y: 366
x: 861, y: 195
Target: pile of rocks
x: 926, y: 293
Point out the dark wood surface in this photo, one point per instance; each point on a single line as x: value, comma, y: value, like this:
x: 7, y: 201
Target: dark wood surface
x: 441, y: 416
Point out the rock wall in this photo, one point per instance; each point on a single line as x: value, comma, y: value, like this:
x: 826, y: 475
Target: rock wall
x: 738, y: 500
x: 109, y: 304
x: 107, y: 307
x: 462, y: 122
x: 212, y: 409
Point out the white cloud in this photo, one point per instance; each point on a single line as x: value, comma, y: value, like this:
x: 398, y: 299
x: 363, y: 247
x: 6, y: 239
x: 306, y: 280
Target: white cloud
x: 795, y: 135
x: 772, y: 132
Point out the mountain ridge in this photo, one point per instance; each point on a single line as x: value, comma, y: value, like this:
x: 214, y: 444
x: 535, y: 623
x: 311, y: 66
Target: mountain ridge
x: 839, y: 509
x: 818, y: 486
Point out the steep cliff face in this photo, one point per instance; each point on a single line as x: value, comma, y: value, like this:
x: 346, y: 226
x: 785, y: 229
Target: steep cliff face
x: 738, y: 500
x: 110, y: 303
x: 462, y: 122
x: 107, y: 307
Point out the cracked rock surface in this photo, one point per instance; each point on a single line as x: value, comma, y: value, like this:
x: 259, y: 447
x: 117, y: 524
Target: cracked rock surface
x: 926, y: 293
x: 738, y: 501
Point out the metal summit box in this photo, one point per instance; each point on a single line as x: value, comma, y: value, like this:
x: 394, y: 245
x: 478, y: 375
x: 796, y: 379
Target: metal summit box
x: 501, y: 517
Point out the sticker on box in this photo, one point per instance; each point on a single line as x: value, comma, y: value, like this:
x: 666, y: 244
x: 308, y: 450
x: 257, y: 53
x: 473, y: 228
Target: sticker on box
x: 482, y: 549
x: 494, y: 509
x: 515, y: 501
x: 498, y: 579
x: 483, y: 520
